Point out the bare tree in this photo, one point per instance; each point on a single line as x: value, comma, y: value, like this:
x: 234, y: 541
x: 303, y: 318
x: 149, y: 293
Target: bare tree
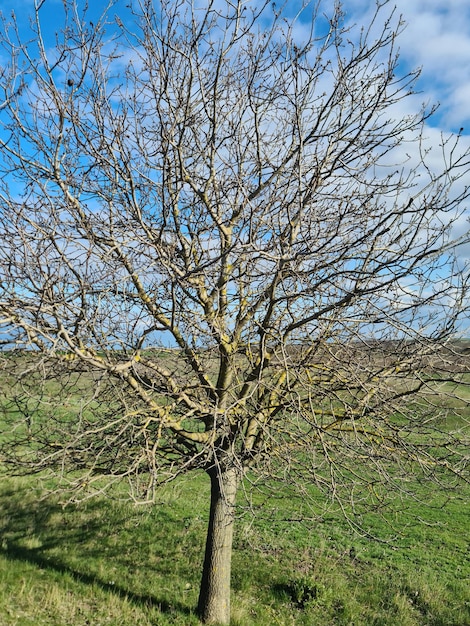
x: 216, y: 255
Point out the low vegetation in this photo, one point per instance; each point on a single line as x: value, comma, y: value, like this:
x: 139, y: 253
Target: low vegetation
x: 297, y: 560
x: 109, y: 562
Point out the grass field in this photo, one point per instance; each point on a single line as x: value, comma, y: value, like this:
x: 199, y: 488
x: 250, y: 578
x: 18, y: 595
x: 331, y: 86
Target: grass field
x: 108, y: 562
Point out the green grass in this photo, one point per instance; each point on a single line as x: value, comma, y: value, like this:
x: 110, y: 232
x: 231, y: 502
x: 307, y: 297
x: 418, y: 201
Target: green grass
x: 108, y: 562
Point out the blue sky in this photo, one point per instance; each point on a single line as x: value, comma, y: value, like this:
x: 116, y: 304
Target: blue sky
x: 436, y: 39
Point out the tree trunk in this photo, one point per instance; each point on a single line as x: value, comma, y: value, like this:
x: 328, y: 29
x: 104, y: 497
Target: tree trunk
x: 214, y: 596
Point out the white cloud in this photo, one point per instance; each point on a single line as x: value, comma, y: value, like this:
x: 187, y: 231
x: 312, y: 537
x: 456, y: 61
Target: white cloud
x: 437, y: 40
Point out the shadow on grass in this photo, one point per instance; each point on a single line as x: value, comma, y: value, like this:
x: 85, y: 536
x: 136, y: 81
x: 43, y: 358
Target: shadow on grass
x: 22, y: 518
x: 18, y: 553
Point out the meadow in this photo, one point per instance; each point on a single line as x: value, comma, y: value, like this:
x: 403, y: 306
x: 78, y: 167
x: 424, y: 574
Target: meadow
x: 110, y: 562
x: 296, y: 561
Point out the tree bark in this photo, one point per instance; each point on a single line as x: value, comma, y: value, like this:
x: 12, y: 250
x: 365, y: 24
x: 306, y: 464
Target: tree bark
x: 214, y: 595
